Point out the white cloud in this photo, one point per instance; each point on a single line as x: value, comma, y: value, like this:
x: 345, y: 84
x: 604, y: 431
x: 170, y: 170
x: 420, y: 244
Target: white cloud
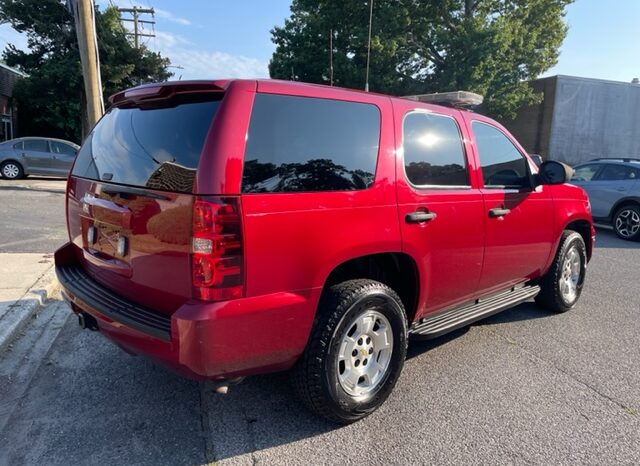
x: 198, y: 63
x: 164, y: 14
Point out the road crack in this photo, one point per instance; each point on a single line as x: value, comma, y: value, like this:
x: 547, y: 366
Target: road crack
x: 205, y: 425
x: 627, y: 409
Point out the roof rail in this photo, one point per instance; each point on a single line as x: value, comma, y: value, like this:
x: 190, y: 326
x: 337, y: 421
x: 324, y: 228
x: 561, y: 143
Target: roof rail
x: 623, y: 159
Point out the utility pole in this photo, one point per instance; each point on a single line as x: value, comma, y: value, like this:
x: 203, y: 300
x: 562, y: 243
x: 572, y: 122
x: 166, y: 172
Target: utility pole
x: 135, y: 12
x: 366, y: 84
x: 84, y: 16
x: 331, y: 56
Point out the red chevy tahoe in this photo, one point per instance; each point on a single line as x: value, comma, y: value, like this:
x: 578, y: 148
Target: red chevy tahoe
x: 228, y: 228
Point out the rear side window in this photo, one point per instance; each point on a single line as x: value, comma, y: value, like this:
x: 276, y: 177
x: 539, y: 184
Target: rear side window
x: 503, y: 166
x: 157, y: 148
x: 618, y: 173
x: 37, y: 145
x: 18, y: 146
x: 433, y: 151
x: 301, y: 144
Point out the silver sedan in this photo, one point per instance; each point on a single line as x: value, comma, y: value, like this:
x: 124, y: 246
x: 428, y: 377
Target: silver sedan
x: 36, y: 156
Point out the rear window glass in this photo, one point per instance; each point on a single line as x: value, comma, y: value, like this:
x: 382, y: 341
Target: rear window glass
x: 301, y: 144
x: 157, y: 148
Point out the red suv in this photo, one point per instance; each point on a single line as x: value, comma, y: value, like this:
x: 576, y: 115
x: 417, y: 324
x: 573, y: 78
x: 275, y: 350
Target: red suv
x: 229, y: 228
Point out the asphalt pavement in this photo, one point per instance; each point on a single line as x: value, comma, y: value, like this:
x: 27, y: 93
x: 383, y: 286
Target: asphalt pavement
x: 32, y: 215
x: 522, y: 387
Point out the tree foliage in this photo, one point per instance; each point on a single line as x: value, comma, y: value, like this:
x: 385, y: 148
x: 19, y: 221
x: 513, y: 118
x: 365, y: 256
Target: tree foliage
x: 50, y: 100
x: 492, y: 47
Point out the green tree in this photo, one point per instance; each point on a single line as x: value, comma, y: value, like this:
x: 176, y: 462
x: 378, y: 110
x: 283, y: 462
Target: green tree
x: 50, y: 100
x: 493, y: 47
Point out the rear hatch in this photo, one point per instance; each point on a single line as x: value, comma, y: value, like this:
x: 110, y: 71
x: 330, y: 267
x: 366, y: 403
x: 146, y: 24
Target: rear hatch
x: 130, y: 194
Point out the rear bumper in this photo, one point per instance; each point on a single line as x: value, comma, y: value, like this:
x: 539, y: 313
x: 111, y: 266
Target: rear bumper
x: 200, y: 340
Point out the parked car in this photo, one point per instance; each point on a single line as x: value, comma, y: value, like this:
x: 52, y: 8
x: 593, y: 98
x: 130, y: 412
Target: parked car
x: 36, y: 156
x: 613, y: 186
x: 308, y: 228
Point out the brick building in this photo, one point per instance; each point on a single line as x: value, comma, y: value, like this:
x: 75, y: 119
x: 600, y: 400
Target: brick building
x: 8, y: 115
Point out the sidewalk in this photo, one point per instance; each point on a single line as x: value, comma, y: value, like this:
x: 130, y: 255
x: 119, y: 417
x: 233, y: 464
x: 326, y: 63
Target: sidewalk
x: 26, y: 283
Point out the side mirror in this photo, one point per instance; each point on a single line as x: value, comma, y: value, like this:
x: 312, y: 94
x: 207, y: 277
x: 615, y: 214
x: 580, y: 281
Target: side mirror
x: 552, y: 172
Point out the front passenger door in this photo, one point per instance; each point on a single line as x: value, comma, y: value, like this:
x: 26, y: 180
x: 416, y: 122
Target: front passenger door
x: 518, y: 216
x: 62, y: 157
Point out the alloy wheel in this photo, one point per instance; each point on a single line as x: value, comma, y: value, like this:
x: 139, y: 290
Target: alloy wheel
x: 570, y: 275
x: 627, y: 223
x: 365, y: 354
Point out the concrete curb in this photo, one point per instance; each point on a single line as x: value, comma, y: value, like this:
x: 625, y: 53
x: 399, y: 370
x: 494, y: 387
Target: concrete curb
x: 22, y: 311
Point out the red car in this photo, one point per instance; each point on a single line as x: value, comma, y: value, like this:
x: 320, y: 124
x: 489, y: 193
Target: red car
x: 229, y: 228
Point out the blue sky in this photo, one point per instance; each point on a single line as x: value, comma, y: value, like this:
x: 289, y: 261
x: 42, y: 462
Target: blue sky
x: 230, y: 38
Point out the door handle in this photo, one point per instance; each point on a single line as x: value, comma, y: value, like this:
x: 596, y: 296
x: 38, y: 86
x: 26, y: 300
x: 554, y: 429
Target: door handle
x: 419, y: 217
x: 498, y: 212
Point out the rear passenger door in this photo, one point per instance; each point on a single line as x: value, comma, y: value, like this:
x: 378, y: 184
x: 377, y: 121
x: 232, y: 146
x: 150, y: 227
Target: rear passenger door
x: 441, y: 212
x: 517, y: 215
x: 36, y: 156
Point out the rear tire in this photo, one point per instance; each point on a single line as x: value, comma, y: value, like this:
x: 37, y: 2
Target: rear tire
x: 11, y: 170
x: 561, y: 287
x: 626, y: 222
x: 355, y: 352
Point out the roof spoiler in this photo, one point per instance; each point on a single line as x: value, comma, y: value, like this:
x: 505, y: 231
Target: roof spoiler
x: 149, y: 93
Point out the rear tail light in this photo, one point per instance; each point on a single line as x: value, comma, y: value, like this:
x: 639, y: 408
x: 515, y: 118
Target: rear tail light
x: 217, y: 249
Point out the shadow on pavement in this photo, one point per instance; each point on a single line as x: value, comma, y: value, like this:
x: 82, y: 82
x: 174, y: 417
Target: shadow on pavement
x: 606, y: 238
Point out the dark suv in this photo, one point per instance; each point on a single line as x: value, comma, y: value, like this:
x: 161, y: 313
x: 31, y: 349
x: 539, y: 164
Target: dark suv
x: 229, y: 228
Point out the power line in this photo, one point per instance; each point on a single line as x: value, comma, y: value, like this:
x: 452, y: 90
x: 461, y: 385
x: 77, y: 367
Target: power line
x: 138, y: 23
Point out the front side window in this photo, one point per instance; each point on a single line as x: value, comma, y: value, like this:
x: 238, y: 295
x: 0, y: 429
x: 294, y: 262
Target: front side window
x: 62, y: 148
x: 301, y: 144
x: 36, y: 145
x: 503, y: 166
x: 586, y: 172
x: 433, y: 151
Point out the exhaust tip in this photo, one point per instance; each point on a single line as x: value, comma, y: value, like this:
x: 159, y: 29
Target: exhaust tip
x: 86, y: 321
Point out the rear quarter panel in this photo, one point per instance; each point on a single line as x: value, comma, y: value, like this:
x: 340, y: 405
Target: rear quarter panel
x: 294, y: 240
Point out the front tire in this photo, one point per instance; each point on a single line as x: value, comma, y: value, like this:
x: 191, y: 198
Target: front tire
x: 561, y: 287
x: 11, y: 170
x: 626, y: 222
x: 355, y: 352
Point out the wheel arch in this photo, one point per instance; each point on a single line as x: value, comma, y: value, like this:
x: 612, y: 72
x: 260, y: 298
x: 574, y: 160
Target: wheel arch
x: 583, y: 227
x: 630, y: 200
x: 397, y: 270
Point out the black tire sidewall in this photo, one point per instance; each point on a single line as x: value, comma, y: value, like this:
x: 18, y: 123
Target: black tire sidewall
x: 385, y: 304
x: 635, y: 237
x: 577, y: 242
